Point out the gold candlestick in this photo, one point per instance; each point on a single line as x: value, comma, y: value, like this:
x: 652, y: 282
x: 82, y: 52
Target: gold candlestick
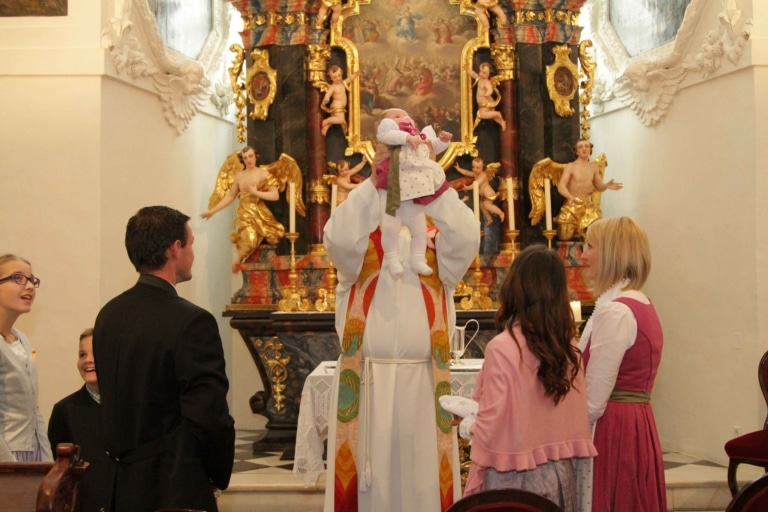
x: 294, y: 296
x: 327, y: 297
x: 511, y: 246
x: 550, y: 234
x: 477, y: 298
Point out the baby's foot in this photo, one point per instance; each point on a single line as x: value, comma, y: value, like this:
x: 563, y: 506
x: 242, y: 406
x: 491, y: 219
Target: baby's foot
x: 419, y: 265
x: 392, y: 262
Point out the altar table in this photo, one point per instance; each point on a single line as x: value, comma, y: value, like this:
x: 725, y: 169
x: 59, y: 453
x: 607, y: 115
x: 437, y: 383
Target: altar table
x: 314, y: 412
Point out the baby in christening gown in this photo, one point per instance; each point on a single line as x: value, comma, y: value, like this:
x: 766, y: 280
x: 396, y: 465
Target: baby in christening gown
x: 412, y: 179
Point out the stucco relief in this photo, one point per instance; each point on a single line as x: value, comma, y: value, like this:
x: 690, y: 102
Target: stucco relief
x: 182, y: 84
x: 648, y: 83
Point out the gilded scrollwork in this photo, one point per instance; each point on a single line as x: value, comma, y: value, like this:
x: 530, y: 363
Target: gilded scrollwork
x: 271, y: 355
x: 504, y: 58
x: 547, y: 16
x: 588, y: 67
x: 317, y: 62
x: 318, y: 190
x: 504, y: 193
x: 262, y: 83
x: 259, y: 19
x: 238, y: 88
x: 562, y: 81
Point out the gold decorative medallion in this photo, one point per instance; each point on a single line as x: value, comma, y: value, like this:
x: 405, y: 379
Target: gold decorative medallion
x: 562, y: 81
x: 262, y: 84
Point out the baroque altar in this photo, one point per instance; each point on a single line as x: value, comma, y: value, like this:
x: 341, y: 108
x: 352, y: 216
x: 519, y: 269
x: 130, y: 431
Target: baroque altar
x: 423, y: 56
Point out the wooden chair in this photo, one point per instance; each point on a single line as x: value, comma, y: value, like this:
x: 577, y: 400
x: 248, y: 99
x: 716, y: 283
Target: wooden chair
x: 752, y: 498
x: 43, y: 486
x: 504, y: 500
x: 750, y: 448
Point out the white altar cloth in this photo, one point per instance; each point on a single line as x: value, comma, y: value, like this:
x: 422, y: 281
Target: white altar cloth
x: 314, y: 412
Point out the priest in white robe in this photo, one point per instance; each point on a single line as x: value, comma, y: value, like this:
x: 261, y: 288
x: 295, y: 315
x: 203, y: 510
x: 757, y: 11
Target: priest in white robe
x: 395, y: 357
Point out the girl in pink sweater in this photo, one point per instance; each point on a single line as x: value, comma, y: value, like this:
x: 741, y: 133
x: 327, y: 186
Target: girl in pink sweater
x: 531, y: 419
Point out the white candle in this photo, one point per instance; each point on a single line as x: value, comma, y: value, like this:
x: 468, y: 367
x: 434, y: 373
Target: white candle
x: 510, y: 204
x: 476, y: 200
x: 334, y: 197
x: 292, y: 203
x: 548, y: 202
x: 576, y: 308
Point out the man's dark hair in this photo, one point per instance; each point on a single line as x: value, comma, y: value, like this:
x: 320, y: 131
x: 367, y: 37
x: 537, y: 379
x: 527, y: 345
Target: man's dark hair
x: 151, y: 232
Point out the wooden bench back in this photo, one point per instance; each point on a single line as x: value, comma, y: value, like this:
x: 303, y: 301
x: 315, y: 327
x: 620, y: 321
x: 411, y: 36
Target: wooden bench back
x: 43, y: 486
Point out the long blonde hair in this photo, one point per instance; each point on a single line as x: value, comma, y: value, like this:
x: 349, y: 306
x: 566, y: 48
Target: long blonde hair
x: 623, y: 253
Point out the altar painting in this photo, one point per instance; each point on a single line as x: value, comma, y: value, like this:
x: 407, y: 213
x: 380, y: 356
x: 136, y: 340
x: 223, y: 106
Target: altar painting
x: 409, y: 54
x: 12, y: 8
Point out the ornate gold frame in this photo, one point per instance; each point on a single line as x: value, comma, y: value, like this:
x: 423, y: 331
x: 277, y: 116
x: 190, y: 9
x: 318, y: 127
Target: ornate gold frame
x: 501, y: 54
x: 562, y: 81
x: 262, y: 78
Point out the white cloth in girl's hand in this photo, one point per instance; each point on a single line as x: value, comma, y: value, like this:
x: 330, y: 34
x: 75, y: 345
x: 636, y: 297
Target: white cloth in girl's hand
x: 459, y: 405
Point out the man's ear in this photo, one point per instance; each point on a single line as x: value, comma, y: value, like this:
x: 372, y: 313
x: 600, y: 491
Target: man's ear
x: 173, y: 250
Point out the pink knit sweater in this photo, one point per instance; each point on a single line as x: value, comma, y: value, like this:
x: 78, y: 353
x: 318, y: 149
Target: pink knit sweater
x: 518, y: 427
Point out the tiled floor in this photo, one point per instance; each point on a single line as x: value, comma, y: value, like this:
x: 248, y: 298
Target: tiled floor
x: 265, y: 479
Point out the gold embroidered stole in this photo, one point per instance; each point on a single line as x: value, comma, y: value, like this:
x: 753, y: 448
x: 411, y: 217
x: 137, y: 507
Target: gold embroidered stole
x: 347, y: 468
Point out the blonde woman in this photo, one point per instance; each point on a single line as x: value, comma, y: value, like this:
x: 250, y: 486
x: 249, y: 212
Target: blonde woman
x: 621, y: 346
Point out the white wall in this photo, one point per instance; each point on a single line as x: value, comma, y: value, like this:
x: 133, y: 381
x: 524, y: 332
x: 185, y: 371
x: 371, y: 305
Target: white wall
x: 82, y: 151
x: 695, y: 182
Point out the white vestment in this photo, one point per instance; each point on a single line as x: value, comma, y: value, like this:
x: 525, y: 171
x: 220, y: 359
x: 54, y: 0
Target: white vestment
x: 402, y: 444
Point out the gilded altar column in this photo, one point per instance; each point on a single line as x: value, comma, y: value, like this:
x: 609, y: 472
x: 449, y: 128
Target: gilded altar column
x: 504, y: 60
x: 319, y: 195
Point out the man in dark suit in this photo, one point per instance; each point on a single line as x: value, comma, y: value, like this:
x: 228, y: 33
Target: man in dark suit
x: 161, y: 376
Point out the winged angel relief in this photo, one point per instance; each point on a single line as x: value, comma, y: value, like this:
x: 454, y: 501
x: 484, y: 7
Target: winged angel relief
x: 574, y: 216
x: 254, y: 185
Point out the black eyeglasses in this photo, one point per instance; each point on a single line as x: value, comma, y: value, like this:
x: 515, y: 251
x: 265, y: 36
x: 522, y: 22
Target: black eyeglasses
x: 22, y: 279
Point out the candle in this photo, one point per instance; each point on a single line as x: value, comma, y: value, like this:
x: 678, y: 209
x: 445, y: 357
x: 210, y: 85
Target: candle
x: 510, y: 204
x: 476, y: 200
x: 548, y: 202
x: 292, y: 203
x: 576, y: 308
x: 334, y: 197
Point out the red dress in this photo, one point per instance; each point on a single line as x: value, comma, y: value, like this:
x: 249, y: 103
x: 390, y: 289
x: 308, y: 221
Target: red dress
x: 629, y: 468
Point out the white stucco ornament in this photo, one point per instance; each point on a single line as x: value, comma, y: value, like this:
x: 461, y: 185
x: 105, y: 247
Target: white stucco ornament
x: 181, y: 83
x: 649, y: 82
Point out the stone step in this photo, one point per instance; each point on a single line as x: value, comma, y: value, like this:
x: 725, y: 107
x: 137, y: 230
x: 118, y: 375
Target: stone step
x: 696, y: 487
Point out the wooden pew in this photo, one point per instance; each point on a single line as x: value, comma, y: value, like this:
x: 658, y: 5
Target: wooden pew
x: 43, y: 486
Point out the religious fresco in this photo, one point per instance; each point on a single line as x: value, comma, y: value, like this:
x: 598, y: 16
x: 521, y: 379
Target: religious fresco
x: 184, y: 25
x: 409, y: 54
x: 643, y: 25
x: 12, y: 8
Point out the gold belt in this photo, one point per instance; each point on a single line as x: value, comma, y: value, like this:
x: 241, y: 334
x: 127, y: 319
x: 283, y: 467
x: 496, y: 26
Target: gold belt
x: 632, y: 397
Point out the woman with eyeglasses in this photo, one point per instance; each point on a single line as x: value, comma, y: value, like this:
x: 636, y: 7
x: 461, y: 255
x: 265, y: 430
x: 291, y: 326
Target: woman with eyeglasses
x: 23, y: 437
